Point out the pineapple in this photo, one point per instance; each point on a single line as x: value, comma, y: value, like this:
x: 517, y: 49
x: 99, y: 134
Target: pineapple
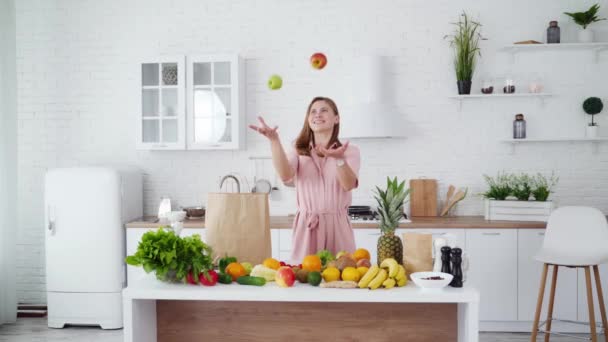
x: 390, y: 209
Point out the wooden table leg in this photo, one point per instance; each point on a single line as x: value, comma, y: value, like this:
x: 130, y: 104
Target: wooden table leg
x: 551, y: 301
x: 539, y: 303
x: 590, y: 304
x: 600, y: 297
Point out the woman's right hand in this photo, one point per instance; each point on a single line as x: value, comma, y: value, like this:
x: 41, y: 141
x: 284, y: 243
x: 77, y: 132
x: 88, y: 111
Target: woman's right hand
x: 265, y: 130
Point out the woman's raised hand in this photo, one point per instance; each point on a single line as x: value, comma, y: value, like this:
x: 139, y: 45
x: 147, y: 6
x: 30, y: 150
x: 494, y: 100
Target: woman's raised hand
x: 334, y: 151
x: 265, y: 130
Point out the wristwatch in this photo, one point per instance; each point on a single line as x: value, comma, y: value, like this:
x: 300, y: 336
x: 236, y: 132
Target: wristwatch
x: 340, y: 162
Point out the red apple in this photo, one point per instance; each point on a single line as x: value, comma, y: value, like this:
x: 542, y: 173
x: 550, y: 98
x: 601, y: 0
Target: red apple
x: 285, y: 277
x: 318, y: 61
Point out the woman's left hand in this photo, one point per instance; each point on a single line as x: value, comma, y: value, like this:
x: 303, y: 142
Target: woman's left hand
x: 334, y: 151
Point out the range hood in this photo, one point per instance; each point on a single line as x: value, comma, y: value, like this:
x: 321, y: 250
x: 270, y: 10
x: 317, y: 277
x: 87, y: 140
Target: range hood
x: 373, y: 114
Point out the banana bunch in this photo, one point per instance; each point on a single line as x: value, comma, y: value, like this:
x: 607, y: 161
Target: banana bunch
x: 388, y: 275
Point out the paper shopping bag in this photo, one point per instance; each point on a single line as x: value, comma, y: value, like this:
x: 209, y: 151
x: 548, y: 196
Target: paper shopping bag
x: 417, y: 252
x: 238, y: 224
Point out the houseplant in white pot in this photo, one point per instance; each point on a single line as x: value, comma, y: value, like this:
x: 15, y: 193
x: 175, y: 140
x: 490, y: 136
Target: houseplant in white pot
x: 518, y: 197
x: 584, y: 19
x: 592, y: 106
x: 465, y: 42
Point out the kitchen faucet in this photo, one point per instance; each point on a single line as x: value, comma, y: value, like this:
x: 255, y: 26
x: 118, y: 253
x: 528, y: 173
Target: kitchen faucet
x: 238, y: 184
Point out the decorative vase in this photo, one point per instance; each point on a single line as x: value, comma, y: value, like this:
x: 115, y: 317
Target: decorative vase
x: 591, y: 131
x: 585, y: 36
x: 464, y: 87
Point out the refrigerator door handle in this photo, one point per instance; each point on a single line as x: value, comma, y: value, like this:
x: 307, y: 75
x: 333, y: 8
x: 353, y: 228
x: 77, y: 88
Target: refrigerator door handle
x: 51, y: 220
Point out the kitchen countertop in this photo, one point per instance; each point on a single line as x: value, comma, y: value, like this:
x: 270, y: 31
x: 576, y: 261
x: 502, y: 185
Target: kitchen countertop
x: 285, y: 222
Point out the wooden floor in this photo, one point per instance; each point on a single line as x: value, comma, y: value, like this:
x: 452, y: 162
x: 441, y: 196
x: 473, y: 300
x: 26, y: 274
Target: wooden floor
x: 36, y: 330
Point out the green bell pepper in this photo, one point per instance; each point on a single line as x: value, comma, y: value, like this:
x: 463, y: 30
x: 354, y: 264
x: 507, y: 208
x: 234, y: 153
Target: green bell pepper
x: 224, y: 262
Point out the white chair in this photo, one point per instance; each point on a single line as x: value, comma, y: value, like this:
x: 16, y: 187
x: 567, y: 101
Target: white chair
x: 575, y: 237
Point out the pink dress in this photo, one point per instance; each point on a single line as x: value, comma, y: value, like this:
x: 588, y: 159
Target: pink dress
x: 321, y: 220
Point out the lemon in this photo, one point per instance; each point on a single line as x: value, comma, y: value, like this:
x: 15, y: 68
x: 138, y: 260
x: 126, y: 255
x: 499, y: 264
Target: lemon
x: 351, y: 273
x: 362, y: 270
x: 331, y: 274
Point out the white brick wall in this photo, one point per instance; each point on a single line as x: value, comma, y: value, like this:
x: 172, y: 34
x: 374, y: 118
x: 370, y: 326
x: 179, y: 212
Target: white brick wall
x: 77, y: 93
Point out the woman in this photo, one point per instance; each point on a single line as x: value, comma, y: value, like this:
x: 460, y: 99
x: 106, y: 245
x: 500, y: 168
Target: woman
x: 324, y: 171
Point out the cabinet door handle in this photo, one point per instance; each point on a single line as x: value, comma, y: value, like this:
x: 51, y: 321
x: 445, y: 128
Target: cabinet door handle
x: 491, y: 234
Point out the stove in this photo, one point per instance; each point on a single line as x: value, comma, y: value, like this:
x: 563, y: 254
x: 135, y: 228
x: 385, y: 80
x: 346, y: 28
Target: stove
x: 364, y: 213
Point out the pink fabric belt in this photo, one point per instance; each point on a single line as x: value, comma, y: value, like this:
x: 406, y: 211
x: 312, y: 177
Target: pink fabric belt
x: 314, y: 217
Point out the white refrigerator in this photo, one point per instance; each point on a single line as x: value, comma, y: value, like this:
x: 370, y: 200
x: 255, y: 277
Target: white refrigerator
x: 86, y: 209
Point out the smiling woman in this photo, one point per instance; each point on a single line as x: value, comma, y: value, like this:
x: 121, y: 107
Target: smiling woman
x: 323, y: 171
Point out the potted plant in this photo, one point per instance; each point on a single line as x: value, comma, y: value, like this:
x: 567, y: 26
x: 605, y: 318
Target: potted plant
x: 509, y: 197
x: 592, y: 106
x: 465, y: 42
x: 584, y: 19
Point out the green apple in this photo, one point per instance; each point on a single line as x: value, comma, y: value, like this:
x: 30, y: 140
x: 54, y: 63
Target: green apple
x: 275, y: 82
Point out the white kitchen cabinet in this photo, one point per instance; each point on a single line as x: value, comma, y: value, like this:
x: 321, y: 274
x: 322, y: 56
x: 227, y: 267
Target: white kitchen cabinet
x: 215, y: 102
x: 161, y: 114
x: 285, y: 247
x: 583, y: 311
x: 493, y: 271
x: 529, y: 272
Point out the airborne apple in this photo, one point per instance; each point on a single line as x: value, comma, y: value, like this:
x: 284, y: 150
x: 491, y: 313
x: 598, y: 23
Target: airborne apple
x: 275, y: 82
x: 318, y: 60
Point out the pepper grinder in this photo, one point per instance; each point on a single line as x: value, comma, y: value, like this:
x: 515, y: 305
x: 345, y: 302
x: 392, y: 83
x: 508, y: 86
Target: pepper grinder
x: 456, y: 267
x: 445, y: 258
x: 438, y: 244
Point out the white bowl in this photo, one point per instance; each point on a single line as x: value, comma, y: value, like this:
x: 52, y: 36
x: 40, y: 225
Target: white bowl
x: 419, y: 279
x: 176, y: 216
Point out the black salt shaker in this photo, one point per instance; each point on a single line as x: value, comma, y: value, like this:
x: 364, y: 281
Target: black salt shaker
x: 445, y: 259
x: 456, y: 267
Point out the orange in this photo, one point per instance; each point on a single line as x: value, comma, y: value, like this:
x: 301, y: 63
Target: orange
x: 311, y: 263
x: 351, y: 273
x: 361, y: 253
x: 272, y: 263
x: 235, y: 270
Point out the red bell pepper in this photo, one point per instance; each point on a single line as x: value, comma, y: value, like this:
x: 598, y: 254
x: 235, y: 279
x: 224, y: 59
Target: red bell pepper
x: 208, y: 278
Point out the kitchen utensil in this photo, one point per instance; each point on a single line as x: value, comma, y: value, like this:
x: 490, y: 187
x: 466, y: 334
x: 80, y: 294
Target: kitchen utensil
x: 423, y: 197
x: 449, y: 195
x: 460, y: 195
x: 422, y: 280
x: 194, y: 212
x: 262, y: 185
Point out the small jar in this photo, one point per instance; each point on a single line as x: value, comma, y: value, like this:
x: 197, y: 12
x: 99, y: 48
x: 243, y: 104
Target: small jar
x: 487, y: 86
x: 553, y: 34
x: 536, y: 85
x: 509, y: 87
x: 519, y: 127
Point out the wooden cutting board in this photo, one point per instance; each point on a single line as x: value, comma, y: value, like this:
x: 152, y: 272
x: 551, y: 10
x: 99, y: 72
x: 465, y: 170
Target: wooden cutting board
x: 423, y: 197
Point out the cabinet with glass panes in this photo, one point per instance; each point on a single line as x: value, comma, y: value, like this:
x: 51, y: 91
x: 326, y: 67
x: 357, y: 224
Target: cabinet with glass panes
x: 162, y: 114
x: 215, y: 102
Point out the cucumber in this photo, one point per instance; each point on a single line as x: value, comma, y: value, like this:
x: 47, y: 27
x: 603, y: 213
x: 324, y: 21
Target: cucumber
x: 249, y: 280
x: 224, y: 278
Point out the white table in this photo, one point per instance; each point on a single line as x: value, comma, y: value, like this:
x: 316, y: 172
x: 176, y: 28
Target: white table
x: 139, y: 301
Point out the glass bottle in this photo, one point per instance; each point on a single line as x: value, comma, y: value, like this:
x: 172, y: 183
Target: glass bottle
x: 553, y: 34
x: 519, y: 127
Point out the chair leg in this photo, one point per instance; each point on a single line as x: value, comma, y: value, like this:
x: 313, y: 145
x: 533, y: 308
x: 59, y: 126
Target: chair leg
x: 551, y: 301
x: 590, y: 304
x: 600, y: 297
x: 539, y: 303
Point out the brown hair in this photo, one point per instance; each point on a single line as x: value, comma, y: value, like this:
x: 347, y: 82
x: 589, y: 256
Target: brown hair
x: 306, y: 135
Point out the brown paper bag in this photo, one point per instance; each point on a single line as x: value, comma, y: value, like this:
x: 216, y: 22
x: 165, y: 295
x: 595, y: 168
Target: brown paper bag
x: 238, y: 224
x: 417, y: 252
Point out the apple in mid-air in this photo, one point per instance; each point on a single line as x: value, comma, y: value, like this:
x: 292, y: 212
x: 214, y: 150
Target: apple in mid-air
x: 318, y: 60
x: 275, y: 82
